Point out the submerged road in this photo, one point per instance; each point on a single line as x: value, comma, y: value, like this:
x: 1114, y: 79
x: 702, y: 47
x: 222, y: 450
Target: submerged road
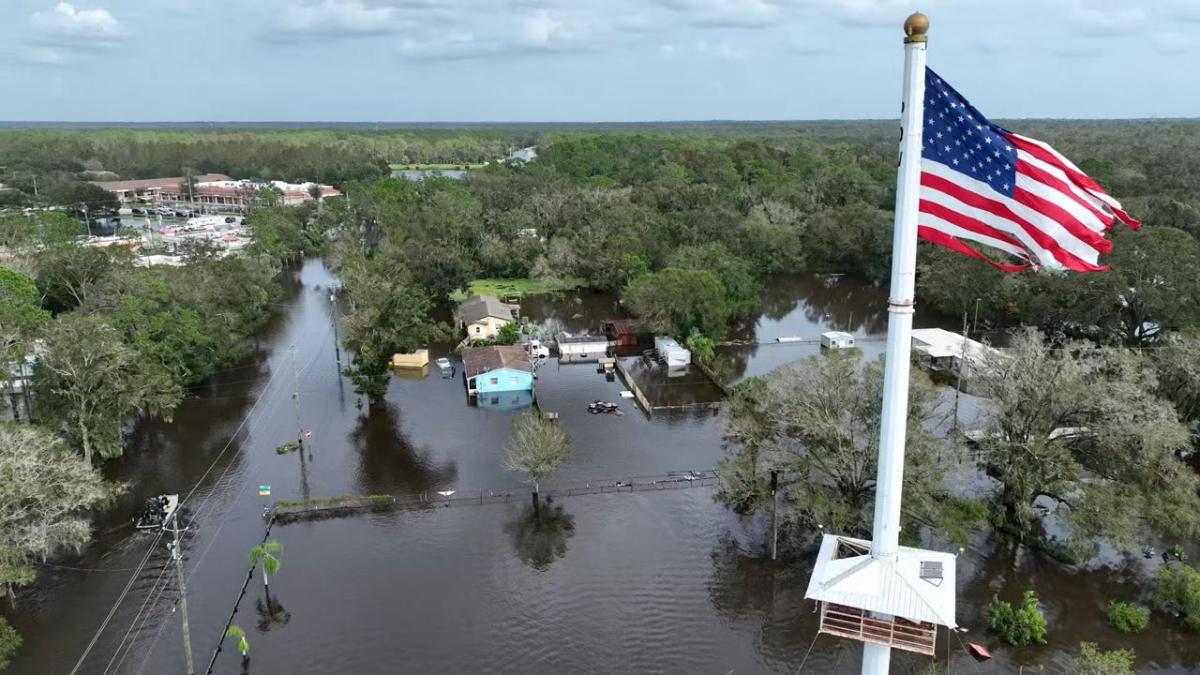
x: 657, y: 581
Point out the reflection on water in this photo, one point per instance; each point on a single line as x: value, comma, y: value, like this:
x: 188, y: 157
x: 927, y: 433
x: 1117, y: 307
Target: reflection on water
x: 540, y: 534
x: 504, y: 400
x: 388, y: 463
x: 271, y: 613
x: 645, y: 582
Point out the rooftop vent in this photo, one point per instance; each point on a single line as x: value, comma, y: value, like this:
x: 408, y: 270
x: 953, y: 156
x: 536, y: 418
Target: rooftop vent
x: 931, y: 571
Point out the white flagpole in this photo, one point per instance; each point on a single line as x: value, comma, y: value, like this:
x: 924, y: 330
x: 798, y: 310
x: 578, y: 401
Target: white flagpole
x: 889, y: 483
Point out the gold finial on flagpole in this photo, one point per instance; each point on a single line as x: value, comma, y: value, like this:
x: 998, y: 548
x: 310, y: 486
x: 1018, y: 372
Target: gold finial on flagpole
x: 915, y: 27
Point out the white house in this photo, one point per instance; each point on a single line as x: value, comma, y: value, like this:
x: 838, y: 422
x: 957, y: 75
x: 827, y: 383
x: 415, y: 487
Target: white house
x: 483, y: 316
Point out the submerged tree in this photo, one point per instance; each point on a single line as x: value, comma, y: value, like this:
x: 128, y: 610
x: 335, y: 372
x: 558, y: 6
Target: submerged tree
x: 1094, y: 661
x: 536, y: 448
x: 45, y: 490
x: 391, y: 315
x: 817, y: 421
x: 243, y: 645
x: 10, y: 642
x: 1081, y: 429
x: 266, y: 553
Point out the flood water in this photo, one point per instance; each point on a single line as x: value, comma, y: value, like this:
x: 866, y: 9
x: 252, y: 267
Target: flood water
x: 667, y: 582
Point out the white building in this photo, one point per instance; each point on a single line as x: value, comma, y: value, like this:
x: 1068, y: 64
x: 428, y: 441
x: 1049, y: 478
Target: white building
x: 836, y: 339
x: 671, y: 351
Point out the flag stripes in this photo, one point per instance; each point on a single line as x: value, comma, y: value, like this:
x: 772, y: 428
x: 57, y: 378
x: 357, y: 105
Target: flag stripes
x: 984, y: 184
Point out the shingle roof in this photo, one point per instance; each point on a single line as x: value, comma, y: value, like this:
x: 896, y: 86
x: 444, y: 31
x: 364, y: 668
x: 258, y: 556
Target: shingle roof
x: 480, y: 307
x: 478, y: 360
x: 147, y: 183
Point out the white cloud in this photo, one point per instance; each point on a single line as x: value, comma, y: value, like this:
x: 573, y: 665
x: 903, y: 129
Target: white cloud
x: 541, y: 27
x: 1173, y: 42
x: 337, y: 18
x: 725, y: 13
x: 1094, y: 19
x: 873, y: 12
x: 66, y: 19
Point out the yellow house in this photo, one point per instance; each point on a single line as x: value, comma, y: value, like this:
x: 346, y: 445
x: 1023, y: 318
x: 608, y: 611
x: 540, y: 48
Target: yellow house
x: 483, y: 316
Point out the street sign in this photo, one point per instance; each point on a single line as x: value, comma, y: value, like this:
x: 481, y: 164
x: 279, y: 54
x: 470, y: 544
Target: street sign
x: 264, y: 490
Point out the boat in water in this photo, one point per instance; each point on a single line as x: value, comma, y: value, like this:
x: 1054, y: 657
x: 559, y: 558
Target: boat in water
x: 157, y: 512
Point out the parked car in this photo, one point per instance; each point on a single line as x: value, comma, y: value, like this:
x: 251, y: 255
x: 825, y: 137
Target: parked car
x: 137, y: 212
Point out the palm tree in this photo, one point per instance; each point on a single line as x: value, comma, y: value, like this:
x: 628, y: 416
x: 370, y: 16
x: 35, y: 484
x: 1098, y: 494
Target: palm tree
x: 265, y: 553
x: 243, y: 646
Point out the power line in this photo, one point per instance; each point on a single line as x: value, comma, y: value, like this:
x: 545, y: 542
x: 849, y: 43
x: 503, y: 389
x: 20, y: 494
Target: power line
x: 122, y: 645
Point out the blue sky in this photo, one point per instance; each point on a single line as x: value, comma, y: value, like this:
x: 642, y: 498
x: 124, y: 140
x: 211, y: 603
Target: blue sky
x: 584, y: 60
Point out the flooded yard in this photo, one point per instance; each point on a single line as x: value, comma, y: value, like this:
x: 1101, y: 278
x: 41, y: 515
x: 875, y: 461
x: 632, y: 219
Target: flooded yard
x: 631, y: 582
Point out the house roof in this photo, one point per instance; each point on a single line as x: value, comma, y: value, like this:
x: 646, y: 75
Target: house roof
x: 623, y: 326
x: 940, y: 343
x: 568, y: 339
x: 888, y: 585
x: 480, y: 307
x: 148, y: 183
x: 478, y: 360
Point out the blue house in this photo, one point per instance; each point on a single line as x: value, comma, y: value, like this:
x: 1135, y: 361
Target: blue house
x: 496, y: 370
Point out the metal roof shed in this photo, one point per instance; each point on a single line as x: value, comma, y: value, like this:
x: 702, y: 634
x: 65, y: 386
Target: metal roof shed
x: 898, y: 601
x: 836, y: 339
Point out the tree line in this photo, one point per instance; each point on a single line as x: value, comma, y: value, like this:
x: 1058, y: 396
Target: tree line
x: 110, y: 342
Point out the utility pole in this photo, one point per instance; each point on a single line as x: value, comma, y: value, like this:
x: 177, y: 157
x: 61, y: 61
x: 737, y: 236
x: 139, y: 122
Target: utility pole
x: 337, y: 350
x: 177, y: 555
x: 296, y: 399
x: 962, y: 366
x: 774, y: 513
x: 191, y: 196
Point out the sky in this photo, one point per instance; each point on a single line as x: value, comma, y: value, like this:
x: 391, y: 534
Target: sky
x: 585, y: 60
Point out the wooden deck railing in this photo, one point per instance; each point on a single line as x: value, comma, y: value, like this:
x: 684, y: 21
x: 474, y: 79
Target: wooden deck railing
x: 854, y: 623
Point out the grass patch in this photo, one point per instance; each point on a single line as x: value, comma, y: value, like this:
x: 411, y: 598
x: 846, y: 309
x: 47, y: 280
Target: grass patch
x: 437, y: 167
x: 516, y: 288
x: 345, y: 500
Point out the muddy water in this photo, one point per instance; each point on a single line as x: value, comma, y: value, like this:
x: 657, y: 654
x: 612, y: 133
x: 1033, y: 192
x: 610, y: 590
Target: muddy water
x: 645, y: 582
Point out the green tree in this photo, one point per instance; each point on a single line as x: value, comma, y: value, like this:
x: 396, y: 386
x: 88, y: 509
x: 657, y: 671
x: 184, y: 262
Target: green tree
x: 674, y: 301
x: 1178, y: 586
x: 509, y: 334
x: 1018, y: 626
x: 89, y: 382
x: 243, y: 645
x: 45, y: 493
x: 737, y: 277
x: 66, y: 272
x: 10, y: 643
x: 1177, y: 362
x: 817, y: 422
x: 19, y: 231
x: 1094, y: 661
x: 21, y: 317
x: 391, y: 315
x: 1082, y: 428
x: 701, y: 347
x: 75, y: 195
x: 1127, y: 617
x: 267, y: 554
x: 536, y: 448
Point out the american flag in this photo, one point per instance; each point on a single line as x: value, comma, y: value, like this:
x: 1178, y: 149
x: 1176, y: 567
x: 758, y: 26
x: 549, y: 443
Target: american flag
x: 985, y: 184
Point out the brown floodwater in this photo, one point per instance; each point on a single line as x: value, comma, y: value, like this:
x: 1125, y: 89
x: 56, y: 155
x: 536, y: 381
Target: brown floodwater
x: 667, y: 582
